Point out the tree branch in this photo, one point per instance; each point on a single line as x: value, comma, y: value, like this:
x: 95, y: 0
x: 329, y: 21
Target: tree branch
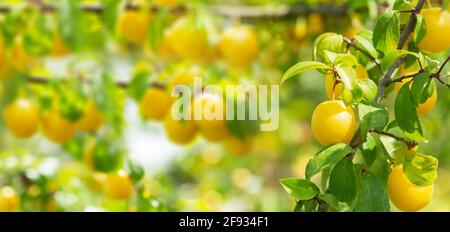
x: 120, y: 84
x: 92, y: 8
x: 409, y: 143
x: 351, y: 43
x: 224, y: 10
x: 406, y: 76
x: 442, y: 66
x: 277, y: 12
x: 385, y: 79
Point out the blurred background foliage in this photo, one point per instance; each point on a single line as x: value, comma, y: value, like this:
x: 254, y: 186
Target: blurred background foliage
x: 79, y: 56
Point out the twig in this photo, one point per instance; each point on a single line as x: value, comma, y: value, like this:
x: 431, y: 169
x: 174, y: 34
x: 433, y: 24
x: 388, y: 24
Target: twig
x: 284, y: 11
x: 442, y: 66
x: 277, y: 12
x: 351, y: 43
x: 406, y: 76
x: 385, y: 79
x: 120, y: 84
x: 409, y: 143
x: 443, y: 82
x: 92, y: 8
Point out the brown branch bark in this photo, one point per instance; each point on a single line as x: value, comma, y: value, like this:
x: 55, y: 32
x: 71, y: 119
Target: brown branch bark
x: 385, y: 79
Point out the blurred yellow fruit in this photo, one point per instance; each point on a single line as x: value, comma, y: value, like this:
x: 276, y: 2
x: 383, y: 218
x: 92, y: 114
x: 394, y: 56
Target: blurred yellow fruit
x: 57, y: 128
x: 211, y: 127
x: 21, y: 117
x: 4, y: 68
x: 118, y: 185
x: 361, y: 74
x: 9, y: 200
x: 188, y: 40
x: 179, y: 131
x: 182, y: 78
x: 59, y: 47
x: 315, y: 24
x: 425, y: 107
x: 437, y: 38
x: 300, y: 29
x: 237, y: 146
x: 88, y: 154
x: 133, y: 26
x: 91, y: 120
x: 155, y: 103
x: 239, y: 45
x: 428, y: 105
x: 405, y: 195
x: 20, y: 57
x: 333, y: 122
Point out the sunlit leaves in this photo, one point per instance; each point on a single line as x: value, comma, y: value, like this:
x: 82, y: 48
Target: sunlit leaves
x: 342, y: 181
x: 387, y: 32
x: 327, y: 157
x: 300, y: 189
x: 372, y: 197
x: 72, y: 23
x: 302, y: 67
x: 406, y: 115
x: 420, y: 169
x: 372, y: 116
x: 327, y: 42
x: 419, y: 30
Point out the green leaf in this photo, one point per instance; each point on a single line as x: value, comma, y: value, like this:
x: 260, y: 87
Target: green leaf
x: 111, y: 10
x: 364, y: 41
x: 422, y: 88
x: 330, y: 200
x: 419, y: 30
x: 136, y: 171
x: 72, y: 23
x: 342, y: 181
x: 392, y: 56
x: 300, y: 189
x: 369, y: 149
x: 347, y: 75
x: 157, y: 27
x: 421, y: 169
x: 372, y: 116
x: 302, y: 67
x: 342, y: 60
x: 391, y: 125
x: 109, y: 100
x: 331, y: 42
x: 372, y: 197
x: 402, y: 5
x: 139, y: 84
x: 369, y: 89
x: 246, y: 127
x: 107, y: 156
x: 311, y: 205
x: 357, y: 4
x: 299, y: 206
x: 406, y: 115
x: 327, y: 157
x: 387, y: 32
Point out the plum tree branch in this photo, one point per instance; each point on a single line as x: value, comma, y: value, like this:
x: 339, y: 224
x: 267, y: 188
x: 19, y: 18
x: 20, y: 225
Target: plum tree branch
x: 119, y: 83
x: 92, y: 8
x: 261, y: 12
x: 409, y: 143
x: 385, y: 79
x: 351, y: 43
